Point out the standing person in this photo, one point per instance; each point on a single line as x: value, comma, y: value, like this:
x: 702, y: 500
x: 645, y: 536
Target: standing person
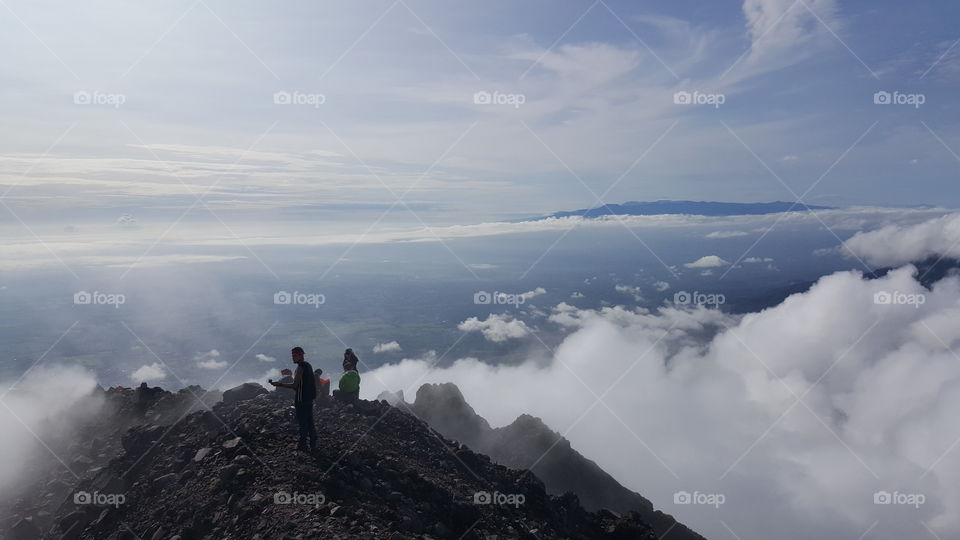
x: 349, y: 386
x: 350, y: 361
x: 305, y: 387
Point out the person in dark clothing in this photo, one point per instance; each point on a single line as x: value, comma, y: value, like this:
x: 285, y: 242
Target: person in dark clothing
x: 350, y: 361
x: 305, y: 387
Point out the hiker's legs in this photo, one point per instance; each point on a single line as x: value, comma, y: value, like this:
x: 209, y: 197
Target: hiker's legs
x: 311, y: 426
x: 304, y: 421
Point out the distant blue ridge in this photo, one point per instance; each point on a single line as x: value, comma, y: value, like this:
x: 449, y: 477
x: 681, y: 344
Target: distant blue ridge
x: 696, y: 208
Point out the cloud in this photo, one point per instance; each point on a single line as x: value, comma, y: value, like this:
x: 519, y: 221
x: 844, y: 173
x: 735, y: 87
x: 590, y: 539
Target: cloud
x: 149, y: 373
x: 496, y: 327
x: 726, y: 234
x: 878, y: 382
x: 577, y: 294
x: 899, y: 244
x: 208, y: 360
x: 45, y: 405
x: 391, y: 346
x: 534, y: 293
x: 661, y: 286
x: 631, y: 290
x: 264, y: 358
x: 708, y: 261
x: 752, y: 260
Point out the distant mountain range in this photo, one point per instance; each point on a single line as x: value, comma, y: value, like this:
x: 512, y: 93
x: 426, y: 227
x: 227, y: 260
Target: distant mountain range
x: 696, y: 208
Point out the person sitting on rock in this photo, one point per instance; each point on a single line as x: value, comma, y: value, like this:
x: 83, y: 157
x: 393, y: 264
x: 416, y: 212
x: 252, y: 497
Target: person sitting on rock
x: 323, y: 385
x: 349, y: 391
x: 305, y: 387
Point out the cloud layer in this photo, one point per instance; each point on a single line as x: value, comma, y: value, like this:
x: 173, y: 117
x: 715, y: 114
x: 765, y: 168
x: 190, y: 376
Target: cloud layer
x: 799, y: 414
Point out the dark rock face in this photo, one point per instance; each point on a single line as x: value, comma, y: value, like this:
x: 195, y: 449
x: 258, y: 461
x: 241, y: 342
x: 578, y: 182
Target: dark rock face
x: 528, y: 443
x: 243, y: 392
x: 233, y: 472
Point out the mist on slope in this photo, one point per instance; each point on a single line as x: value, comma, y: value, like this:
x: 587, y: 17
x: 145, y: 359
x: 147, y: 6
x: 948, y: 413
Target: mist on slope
x: 37, y: 413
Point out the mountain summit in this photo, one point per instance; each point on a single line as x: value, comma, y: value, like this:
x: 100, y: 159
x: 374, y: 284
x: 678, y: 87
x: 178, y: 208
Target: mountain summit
x: 150, y: 466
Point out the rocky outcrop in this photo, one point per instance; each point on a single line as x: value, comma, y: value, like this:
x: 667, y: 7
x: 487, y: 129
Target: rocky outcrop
x: 528, y: 443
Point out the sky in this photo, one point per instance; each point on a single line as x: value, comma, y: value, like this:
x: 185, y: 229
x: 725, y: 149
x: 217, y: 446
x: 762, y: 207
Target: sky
x: 197, y: 158
x: 114, y: 109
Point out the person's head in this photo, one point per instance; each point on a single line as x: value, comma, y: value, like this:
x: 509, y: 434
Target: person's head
x: 318, y: 372
x: 297, y: 354
x: 286, y: 372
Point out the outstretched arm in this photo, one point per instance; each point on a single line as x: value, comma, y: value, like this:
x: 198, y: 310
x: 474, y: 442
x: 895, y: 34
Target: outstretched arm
x: 296, y: 381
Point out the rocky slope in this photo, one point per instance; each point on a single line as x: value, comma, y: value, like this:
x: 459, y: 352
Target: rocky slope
x: 528, y: 443
x: 231, y: 471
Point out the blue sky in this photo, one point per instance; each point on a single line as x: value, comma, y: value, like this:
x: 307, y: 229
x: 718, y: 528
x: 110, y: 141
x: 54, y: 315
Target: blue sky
x: 186, y: 104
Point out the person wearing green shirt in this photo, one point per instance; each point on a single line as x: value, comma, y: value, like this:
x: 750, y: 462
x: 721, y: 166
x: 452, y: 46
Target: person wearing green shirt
x: 349, y: 387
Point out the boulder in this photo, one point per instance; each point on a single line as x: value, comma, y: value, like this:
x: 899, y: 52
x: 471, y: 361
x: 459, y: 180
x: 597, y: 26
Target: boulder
x: 243, y: 392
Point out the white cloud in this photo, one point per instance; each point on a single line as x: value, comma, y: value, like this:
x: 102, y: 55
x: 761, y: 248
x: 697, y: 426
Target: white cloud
x: 209, y: 360
x: 899, y: 244
x: 534, y: 293
x: 726, y: 234
x: 869, y: 374
x: 708, y: 261
x: 577, y: 294
x: 496, y: 327
x: 661, y: 286
x: 390, y: 346
x: 752, y: 260
x: 149, y: 373
x: 264, y: 358
x: 631, y: 290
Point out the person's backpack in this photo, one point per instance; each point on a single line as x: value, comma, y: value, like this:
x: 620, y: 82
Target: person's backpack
x: 308, y: 383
